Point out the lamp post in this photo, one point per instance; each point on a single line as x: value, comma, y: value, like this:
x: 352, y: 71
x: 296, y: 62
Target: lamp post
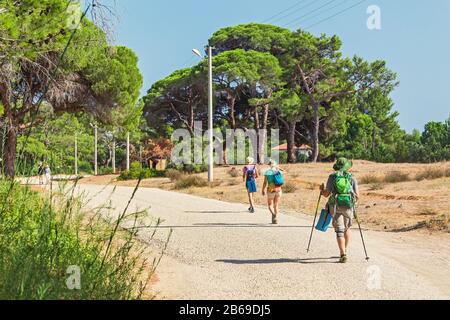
x: 210, y: 113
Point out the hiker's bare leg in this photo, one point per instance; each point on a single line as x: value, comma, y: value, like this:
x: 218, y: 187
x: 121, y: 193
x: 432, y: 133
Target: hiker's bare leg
x: 341, y: 244
x: 250, y: 199
x: 276, y: 203
x: 347, y: 239
x: 270, y: 205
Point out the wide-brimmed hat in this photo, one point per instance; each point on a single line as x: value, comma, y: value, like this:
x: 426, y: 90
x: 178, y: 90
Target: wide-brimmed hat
x: 343, y: 164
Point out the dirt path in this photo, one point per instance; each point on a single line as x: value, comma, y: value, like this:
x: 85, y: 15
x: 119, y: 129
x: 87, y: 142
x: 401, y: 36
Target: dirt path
x: 220, y: 251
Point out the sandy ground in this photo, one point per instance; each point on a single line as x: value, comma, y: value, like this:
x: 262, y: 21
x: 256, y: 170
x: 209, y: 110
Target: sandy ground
x: 389, y: 207
x: 220, y: 251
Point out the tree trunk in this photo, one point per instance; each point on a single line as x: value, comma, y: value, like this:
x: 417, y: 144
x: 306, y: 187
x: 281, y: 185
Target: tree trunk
x: 292, y: 157
x: 232, y: 121
x: 263, y: 136
x: 315, y: 137
x: 10, y: 151
x: 225, y: 153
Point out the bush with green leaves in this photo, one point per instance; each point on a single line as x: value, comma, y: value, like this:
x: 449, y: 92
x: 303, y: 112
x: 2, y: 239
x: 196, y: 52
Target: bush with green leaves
x: 188, y: 168
x: 138, y: 172
x: 43, y: 238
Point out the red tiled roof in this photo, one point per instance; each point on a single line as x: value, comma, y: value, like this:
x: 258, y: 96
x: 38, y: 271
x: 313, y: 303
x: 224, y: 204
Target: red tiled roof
x: 284, y: 147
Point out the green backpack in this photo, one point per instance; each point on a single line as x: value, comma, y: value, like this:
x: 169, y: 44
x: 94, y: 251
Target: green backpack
x: 343, y: 188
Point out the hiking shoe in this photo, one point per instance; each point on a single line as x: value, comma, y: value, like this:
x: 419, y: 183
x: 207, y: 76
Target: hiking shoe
x: 274, y: 220
x: 252, y: 210
x: 343, y: 259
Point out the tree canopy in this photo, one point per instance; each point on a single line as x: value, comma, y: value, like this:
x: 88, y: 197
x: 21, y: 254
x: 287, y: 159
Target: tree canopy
x: 42, y: 60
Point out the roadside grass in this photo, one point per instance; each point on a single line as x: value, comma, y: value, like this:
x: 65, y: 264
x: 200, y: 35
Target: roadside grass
x: 399, y: 176
x: 439, y: 223
x: 188, y: 181
x: 174, y: 174
x: 51, y: 249
x: 289, y: 187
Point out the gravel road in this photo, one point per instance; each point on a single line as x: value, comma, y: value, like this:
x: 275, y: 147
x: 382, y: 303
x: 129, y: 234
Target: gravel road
x: 220, y: 251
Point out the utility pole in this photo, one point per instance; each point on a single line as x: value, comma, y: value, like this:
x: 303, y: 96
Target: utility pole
x: 114, y: 156
x: 76, y: 154
x: 128, y: 151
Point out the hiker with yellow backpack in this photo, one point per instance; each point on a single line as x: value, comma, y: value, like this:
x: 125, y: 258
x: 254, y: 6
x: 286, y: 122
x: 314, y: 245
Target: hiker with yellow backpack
x: 343, y: 192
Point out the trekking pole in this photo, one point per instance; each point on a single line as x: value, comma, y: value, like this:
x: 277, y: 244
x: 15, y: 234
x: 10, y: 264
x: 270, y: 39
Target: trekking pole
x: 362, y: 236
x: 314, y: 223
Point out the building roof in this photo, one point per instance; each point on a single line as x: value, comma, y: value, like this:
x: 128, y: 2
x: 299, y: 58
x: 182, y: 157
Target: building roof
x: 284, y: 147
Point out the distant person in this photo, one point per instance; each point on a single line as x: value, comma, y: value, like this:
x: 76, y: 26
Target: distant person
x: 41, y: 171
x: 273, y: 182
x: 342, y: 188
x: 48, y: 174
x: 250, y: 174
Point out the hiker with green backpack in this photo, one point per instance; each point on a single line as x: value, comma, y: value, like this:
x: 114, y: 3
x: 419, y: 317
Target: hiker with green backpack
x: 342, y: 189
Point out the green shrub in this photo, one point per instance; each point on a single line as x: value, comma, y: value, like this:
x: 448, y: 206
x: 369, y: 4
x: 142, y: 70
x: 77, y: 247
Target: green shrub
x: 283, y: 157
x: 105, y: 171
x: 137, y: 172
x: 186, y: 182
x: 302, y: 158
x: 41, y: 241
x: 188, y: 168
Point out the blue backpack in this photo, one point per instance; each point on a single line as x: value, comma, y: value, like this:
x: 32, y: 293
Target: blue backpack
x: 324, y: 221
x: 278, y: 179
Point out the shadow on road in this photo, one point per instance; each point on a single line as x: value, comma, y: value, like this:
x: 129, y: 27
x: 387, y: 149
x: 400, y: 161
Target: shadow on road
x: 229, y: 225
x: 330, y: 260
x: 216, y: 211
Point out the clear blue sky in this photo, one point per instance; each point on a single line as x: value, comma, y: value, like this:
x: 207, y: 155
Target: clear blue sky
x: 413, y: 39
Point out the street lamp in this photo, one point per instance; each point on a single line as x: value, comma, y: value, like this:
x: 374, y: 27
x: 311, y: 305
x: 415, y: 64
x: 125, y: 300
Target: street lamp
x: 210, y: 112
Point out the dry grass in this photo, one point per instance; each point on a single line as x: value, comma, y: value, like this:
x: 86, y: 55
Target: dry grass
x: 189, y: 181
x: 174, y: 175
x: 432, y: 173
x: 234, y: 173
x: 396, y: 177
x: 370, y: 179
x: 289, y: 187
x: 439, y: 223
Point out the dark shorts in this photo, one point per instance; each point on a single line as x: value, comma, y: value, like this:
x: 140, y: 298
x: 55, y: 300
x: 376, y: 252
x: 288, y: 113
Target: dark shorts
x: 251, y: 186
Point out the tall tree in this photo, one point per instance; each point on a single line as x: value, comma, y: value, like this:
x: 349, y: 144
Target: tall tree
x: 93, y: 76
x: 250, y: 75
x: 176, y: 101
